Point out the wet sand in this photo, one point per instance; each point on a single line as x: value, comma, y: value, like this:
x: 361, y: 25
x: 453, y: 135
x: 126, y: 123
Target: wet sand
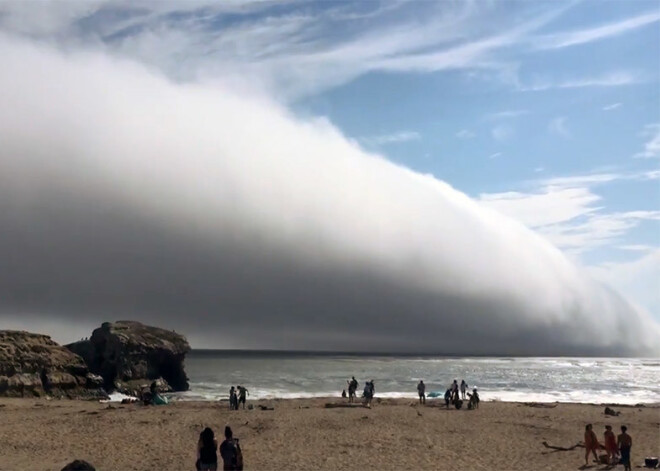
x: 301, y: 434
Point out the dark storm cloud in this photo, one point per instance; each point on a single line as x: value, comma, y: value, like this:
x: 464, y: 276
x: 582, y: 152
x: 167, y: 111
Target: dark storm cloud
x: 123, y: 195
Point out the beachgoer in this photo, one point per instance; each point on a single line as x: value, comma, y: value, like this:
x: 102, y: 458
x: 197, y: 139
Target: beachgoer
x: 454, y: 391
x: 343, y: 393
x: 474, y: 399
x: 352, y: 389
x: 241, y: 396
x: 232, y: 399
x: 447, y: 397
x: 610, y: 445
x: 368, y: 393
x: 230, y: 450
x: 421, y: 390
x: 624, y: 441
x: 207, y: 458
x: 464, y: 387
x: 590, y: 444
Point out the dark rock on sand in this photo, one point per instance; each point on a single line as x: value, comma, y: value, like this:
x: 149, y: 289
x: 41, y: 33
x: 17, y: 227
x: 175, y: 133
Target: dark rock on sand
x: 79, y: 465
x: 129, y: 354
x: 33, y: 365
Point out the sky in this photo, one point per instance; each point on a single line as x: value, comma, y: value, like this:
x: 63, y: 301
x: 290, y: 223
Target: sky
x: 454, y: 177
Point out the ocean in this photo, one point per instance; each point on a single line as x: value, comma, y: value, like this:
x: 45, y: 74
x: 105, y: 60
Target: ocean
x: 305, y: 375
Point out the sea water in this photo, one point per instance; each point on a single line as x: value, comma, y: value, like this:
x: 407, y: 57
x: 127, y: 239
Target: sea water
x: 304, y: 375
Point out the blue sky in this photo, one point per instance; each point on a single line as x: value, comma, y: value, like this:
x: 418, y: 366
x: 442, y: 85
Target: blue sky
x: 546, y: 111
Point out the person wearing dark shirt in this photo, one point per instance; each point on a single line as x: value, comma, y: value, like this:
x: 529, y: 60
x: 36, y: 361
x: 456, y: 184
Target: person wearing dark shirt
x: 230, y: 450
x: 207, y: 458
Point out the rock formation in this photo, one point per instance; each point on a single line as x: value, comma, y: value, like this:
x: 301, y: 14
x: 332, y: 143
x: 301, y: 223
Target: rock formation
x: 33, y: 365
x: 126, y: 353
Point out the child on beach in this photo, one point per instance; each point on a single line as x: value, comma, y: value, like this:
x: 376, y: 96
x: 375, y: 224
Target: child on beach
x: 464, y: 387
x: 625, y: 444
x: 610, y: 445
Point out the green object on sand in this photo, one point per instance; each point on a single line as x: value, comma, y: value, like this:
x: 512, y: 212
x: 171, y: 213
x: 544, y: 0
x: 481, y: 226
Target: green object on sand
x: 160, y: 400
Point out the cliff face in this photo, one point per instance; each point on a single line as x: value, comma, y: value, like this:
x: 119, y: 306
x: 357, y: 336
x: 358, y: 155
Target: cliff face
x: 34, y: 365
x: 128, y: 351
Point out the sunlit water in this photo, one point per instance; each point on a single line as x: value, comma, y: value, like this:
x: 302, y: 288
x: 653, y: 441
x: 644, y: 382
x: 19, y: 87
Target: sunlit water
x: 269, y: 375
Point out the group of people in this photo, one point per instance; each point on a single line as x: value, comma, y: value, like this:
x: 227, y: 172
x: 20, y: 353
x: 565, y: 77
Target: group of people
x: 452, y: 395
x: 617, y: 448
x: 207, y: 452
x: 367, y: 394
x: 237, y: 395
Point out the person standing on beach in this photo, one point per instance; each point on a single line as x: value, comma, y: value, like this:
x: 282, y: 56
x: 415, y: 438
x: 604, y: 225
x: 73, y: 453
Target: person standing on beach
x: 624, y: 441
x: 207, y: 458
x: 242, y: 392
x: 352, y: 388
x: 464, y: 387
x: 447, y: 397
x: 610, y: 445
x: 454, y: 392
x: 230, y: 450
x: 233, y: 399
x: 421, y: 390
x: 590, y: 444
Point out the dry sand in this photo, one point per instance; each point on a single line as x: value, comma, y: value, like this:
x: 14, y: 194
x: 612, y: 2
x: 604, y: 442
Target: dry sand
x: 303, y: 435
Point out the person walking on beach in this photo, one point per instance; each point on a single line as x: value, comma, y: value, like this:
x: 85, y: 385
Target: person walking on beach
x: 590, y: 444
x: 421, y: 390
x: 242, y: 392
x: 230, y: 450
x: 207, y: 457
x: 464, y: 387
x: 624, y: 441
x: 610, y: 445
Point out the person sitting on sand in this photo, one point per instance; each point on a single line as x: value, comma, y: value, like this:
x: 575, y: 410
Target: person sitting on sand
x: 207, y: 458
x: 421, y: 390
x: 474, y: 399
x: 241, y: 396
x: 464, y: 387
x: 230, y: 450
x: 590, y: 444
x: 624, y: 441
x: 343, y: 393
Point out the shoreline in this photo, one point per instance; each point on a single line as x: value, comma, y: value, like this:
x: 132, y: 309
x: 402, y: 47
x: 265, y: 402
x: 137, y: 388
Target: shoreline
x: 302, y: 434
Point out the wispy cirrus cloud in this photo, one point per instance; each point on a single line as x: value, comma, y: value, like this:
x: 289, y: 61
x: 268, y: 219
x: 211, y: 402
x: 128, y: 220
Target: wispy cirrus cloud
x: 613, y: 79
x: 506, y: 114
x: 503, y: 132
x: 558, y: 127
x: 393, y: 138
x: 465, y: 134
x: 612, y: 106
x: 583, y: 36
x: 652, y: 146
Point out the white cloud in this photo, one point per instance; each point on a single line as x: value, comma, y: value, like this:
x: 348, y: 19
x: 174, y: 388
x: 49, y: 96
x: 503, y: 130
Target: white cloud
x: 507, y: 114
x: 573, y: 38
x: 465, y: 134
x: 637, y: 247
x: 652, y: 146
x: 612, y: 106
x: 613, y: 79
x: 502, y: 132
x: 557, y: 126
x: 394, y: 138
x: 495, y: 155
x: 193, y: 205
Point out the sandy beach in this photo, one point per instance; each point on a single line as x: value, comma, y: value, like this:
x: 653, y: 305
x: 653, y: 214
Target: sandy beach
x: 303, y: 435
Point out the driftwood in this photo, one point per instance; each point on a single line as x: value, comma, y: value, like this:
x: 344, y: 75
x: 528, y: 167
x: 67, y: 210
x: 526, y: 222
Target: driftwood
x: 540, y: 405
x: 330, y: 405
x: 561, y: 448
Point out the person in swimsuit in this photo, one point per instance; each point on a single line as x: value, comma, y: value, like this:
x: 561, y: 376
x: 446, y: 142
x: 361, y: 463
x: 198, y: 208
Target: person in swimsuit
x: 610, y: 445
x: 207, y: 446
x: 625, y: 444
x: 590, y: 444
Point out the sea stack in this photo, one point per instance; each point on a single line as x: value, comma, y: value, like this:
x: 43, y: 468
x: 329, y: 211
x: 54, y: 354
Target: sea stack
x: 33, y: 365
x: 127, y: 354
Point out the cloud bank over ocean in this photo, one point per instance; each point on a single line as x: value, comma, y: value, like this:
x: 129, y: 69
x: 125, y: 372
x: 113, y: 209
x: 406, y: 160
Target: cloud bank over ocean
x: 222, y: 215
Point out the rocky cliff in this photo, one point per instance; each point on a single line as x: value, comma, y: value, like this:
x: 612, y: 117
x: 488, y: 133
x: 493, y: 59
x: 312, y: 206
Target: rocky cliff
x: 126, y: 352
x: 34, y: 365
